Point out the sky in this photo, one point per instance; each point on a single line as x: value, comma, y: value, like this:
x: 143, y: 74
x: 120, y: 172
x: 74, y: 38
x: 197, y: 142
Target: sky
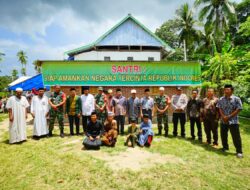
x: 45, y: 29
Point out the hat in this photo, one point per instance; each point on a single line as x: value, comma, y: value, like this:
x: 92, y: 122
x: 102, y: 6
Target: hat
x: 85, y: 87
x: 110, y: 91
x: 145, y: 116
x: 178, y: 88
x: 133, y: 91
x: 132, y: 119
x: 162, y: 88
x: 110, y: 113
x: 19, y: 89
x: 100, y: 88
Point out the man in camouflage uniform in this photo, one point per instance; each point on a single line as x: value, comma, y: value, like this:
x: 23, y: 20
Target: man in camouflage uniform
x: 100, y: 104
x: 56, y: 102
x: 162, y: 102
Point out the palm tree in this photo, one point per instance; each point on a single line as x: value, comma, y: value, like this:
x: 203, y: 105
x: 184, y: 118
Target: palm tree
x: 188, y: 34
x: 22, y: 57
x: 216, y: 14
x: 14, y: 74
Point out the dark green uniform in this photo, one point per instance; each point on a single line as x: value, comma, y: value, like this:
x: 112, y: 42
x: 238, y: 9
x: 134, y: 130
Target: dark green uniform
x: 100, y: 101
x: 161, y: 102
x: 56, y: 98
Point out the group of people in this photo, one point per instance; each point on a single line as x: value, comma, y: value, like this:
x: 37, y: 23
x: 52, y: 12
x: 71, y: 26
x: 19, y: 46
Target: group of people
x: 103, y: 115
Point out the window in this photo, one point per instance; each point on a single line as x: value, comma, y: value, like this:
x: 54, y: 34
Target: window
x: 130, y: 58
x: 106, y: 58
x: 151, y: 59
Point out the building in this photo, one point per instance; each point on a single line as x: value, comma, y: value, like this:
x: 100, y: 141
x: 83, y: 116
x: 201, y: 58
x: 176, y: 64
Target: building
x: 129, y: 40
x: 127, y: 56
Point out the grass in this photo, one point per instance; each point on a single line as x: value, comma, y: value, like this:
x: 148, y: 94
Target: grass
x: 56, y: 164
x: 3, y: 116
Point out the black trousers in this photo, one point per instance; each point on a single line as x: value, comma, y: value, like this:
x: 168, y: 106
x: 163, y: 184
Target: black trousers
x: 176, y: 118
x: 85, y: 121
x: 211, y: 125
x: 120, y: 119
x: 235, y: 133
x: 74, y: 119
x: 149, y: 112
x: 197, y: 121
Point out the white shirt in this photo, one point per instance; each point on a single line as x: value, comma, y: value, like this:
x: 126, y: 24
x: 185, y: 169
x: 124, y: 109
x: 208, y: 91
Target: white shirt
x: 17, y: 128
x: 88, y: 104
x: 40, y: 107
x: 179, y: 102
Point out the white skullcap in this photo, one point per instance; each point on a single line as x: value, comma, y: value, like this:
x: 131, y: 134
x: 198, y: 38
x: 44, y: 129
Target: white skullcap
x: 110, y: 113
x: 133, y: 91
x: 110, y: 91
x: 161, y: 88
x: 19, y: 89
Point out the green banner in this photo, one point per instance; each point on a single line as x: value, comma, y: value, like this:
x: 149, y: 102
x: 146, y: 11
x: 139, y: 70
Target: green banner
x: 79, y: 73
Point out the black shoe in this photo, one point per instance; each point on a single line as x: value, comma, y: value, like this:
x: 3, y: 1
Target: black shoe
x: 50, y: 134
x: 62, y: 135
x: 224, y: 149
x: 36, y: 138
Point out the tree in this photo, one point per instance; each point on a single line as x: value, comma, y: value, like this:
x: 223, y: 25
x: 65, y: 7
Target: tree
x: 216, y: 14
x: 168, y: 32
x: 245, y: 28
x: 188, y: 33
x: 22, y: 57
x: 14, y: 74
x: 242, y: 12
x: 1, y: 57
x: 4, y: 81
x: 37, y: 67
x: 222, y: 66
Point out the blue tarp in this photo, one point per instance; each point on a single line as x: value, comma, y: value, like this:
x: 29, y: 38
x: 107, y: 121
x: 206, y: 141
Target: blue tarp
x: 33, y: 82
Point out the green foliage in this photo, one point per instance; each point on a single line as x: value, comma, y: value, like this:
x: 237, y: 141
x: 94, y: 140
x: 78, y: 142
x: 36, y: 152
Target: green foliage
x: 245, y: 28
x: 216, y: 15
x: 4, y: 81
x: 222, y: 66
x: 22, y: 58
x: 187, y: 33
x: 14, y: 74
x: 168, y: 32
x: 246, y: 110
x: 37, y: 67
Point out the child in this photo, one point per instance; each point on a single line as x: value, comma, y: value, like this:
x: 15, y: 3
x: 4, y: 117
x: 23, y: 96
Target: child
x: 146, y: 132
x: 132, y: 134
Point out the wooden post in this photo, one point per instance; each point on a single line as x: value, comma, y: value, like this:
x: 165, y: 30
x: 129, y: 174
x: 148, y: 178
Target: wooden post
x: 185, y: 50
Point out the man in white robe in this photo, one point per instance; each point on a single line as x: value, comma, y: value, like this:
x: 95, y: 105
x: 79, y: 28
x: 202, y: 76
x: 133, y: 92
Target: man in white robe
x: 17, y: 106
x: 39, y: 111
